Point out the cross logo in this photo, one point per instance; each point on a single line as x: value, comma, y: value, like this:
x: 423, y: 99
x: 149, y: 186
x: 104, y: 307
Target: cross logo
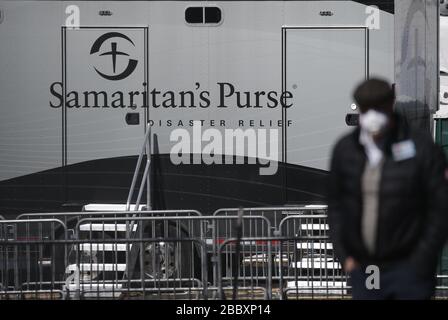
x: 114, y: 53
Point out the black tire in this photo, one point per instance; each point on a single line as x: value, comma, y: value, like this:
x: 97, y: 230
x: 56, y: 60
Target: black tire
x: 173, y: 259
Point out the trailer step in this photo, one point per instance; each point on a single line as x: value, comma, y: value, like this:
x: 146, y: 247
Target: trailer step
x: 104, y: 247
x: 95, y: 291
x: 314, y: 226
x: 314, y: 246
x: 119, y: 227
x: 317, y: 284
x: 86, y: 267
x: 310, y: 264
x: 317, y: 287
x: 95, y: 286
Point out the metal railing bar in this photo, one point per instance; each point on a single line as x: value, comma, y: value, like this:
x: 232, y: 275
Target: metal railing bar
x: 137, y: 168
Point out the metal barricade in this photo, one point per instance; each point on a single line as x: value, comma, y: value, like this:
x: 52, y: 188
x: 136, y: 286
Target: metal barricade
x: 250, y: 274
x: 32, y: 259
x: 221, y: 228
x: 145, y: 257
x: 103, y: 276
x: 168, y: 239
x: 247, y: 260
x: 169, y: 254
x: 307, y: 266
x: 275, y: 216
x: 164, y: 253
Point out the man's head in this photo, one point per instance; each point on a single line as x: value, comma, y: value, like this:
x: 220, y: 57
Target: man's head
x: 375, y: 94
x: 375, y: 99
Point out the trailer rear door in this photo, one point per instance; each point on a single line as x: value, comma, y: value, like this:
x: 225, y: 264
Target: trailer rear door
x: 321, y: 67
x: 105, y: 79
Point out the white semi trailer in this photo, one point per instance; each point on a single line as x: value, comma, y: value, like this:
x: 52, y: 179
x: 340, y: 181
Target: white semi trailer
x: 79, y: 80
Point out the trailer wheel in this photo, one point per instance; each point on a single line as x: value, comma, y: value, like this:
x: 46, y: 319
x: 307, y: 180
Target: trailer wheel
x: 159, y: 260
x: 171, y: 259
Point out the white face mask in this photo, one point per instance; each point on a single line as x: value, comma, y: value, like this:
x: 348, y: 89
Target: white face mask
x: 373, y: 121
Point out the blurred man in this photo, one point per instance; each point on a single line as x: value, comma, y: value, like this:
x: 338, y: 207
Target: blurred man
x: 387, y: 201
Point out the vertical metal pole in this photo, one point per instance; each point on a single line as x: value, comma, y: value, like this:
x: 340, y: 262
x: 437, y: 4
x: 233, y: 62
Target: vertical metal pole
x: 137, y: 169
x: 148, y: 177
x: 239, y: 229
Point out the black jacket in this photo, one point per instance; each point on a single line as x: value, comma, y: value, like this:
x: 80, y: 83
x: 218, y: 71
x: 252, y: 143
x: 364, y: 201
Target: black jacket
x: 413, y: 211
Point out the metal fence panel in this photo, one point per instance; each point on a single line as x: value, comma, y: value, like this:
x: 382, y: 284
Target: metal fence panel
x: 146, y: 257
x: 307, y: 266
x: 158, y: 244
x: 248, y: 272
x: 32, y: 258
x: 265, y: 253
